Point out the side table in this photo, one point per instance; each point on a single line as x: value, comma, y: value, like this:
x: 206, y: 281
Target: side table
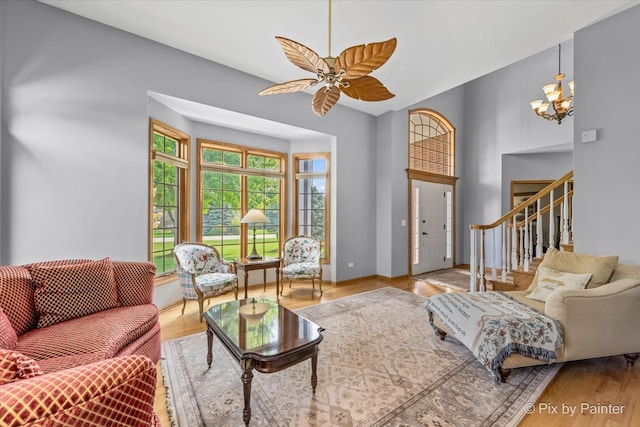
x: 263, y: 264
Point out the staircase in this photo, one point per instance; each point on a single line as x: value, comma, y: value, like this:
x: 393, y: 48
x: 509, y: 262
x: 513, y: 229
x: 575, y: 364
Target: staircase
x: 516, y: 243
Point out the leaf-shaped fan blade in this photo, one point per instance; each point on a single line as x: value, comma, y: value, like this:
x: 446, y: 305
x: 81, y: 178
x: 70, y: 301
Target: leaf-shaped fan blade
x: 360, y: 60
x: 324, y: 99
x: 367, y: 88
x: 288, y: 87
x: 302, y: 56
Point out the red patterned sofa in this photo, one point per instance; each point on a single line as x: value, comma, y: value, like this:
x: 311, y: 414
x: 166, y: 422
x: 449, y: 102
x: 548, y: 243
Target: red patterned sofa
x: 92, y: 330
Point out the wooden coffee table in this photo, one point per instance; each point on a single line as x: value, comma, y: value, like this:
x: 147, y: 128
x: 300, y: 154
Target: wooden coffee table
x: 262, y: 335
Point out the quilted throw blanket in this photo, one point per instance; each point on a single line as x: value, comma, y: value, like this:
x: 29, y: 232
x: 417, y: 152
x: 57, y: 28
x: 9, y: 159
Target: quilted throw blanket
x: 494, y: 326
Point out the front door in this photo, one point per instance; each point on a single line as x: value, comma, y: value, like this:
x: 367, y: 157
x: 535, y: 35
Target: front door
x: 432, y: 226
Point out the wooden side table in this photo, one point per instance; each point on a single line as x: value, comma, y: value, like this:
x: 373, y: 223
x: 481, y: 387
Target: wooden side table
x: 263, y: 264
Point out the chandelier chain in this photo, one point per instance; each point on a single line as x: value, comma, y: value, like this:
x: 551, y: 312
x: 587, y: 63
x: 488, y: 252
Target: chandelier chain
x: 559, y: 57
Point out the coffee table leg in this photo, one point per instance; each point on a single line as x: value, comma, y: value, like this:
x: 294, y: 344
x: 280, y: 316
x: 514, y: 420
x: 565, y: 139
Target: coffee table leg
x: 209, y: 347
x: 314, y: 365
x: 247, y: 376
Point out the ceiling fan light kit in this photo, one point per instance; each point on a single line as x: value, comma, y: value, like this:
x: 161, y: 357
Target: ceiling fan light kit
x: 348, y: 73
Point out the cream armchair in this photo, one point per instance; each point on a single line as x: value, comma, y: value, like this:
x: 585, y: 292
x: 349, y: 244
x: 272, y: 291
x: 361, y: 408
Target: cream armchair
x: 301, y: 260
x: 598, y: 321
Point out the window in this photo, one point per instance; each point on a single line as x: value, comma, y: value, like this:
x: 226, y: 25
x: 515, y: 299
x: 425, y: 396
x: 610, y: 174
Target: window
x: 311, y: 202
x: 232, y: 180
x: 431, y: 143
x: 169, y: 187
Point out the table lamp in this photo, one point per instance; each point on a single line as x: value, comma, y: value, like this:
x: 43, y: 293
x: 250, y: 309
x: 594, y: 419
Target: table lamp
x: 253, y: 217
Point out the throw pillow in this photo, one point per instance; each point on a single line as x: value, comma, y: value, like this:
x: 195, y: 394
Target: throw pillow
x: 8, y: 337
x: 549, y: 280
x: 66, y: 292
x: 16, y: 366
x: 601, y: 267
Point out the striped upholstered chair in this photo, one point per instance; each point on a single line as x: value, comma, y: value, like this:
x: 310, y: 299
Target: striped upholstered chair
x: 301, y: 260
x: 202, y: 273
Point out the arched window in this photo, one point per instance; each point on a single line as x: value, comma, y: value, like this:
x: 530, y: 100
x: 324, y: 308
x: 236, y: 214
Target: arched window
x: 431, y: 143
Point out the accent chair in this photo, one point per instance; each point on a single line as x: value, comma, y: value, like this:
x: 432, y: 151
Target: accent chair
x: 202, y: 273
x: 301, y: 260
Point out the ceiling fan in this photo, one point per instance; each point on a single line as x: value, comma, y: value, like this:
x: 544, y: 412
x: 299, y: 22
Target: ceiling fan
x: 347, y: 73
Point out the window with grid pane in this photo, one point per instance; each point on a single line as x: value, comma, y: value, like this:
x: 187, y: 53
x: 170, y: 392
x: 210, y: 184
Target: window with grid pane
x: 431, y: 143
x: 169, y: 194
x: 233, y: 180
x: 311, y: 202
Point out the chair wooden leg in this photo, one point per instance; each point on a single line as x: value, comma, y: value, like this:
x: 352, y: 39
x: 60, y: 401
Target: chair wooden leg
x: 281, y: 282
x: 184, y: 304
x: 235, y: 291
x: 320, y: 287
x: 201, y: 307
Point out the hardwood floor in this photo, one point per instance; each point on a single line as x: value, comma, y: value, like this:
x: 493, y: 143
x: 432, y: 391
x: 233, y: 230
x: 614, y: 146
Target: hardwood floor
x: 594, y: 389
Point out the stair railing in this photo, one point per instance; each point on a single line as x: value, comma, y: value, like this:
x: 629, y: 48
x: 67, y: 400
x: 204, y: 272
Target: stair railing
x: 521, y: 232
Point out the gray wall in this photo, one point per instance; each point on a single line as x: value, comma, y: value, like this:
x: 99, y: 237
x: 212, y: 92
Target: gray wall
x: 606, y: 172
x: 75, y: 138
x: 74, y: 148
x: 532, y: 166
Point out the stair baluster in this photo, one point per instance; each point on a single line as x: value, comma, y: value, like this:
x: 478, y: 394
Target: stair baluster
x: 505, y: 262
x: 565, y: 214
x: 539, y: 231
x: 473, y: 266
x: 552, y: 222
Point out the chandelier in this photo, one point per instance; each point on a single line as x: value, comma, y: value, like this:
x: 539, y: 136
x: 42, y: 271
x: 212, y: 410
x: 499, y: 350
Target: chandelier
x: 562, y: 106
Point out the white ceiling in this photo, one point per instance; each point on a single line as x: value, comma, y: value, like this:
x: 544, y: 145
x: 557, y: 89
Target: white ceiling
x: 441, y: 44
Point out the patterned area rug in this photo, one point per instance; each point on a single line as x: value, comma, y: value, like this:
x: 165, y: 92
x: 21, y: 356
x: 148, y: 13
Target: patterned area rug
x: 380, y: 364
x: 450, y: 278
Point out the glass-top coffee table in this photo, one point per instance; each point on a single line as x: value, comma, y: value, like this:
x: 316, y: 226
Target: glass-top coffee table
x: 262, y: 335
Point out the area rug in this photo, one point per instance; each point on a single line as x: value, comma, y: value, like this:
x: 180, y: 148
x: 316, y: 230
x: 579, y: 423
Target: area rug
x: 380, y: 364
x: 450, y: 278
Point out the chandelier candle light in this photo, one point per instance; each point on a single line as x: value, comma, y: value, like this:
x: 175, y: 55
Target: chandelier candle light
x: 562, y: 106
x: 253, y: 217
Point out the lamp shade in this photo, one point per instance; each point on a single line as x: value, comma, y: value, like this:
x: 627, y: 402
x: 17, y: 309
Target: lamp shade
x: 254, y: 216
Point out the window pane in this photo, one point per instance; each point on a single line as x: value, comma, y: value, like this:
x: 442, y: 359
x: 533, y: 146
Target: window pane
x: 255, y: 162
x: 311, y: 198
x: 312, y: 165
x: 223, y: 202
x: 165, y: 144
x: 165, y: 222
x: 256, y: 183
x: 232, y: 159
x: 231, y: 182
x: 272, y: 164
x: 430, y: 144
x: 212, y: 156
x: 168, y: 192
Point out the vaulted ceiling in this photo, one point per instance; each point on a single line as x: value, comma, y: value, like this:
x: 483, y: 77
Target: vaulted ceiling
x: 441, y: 44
